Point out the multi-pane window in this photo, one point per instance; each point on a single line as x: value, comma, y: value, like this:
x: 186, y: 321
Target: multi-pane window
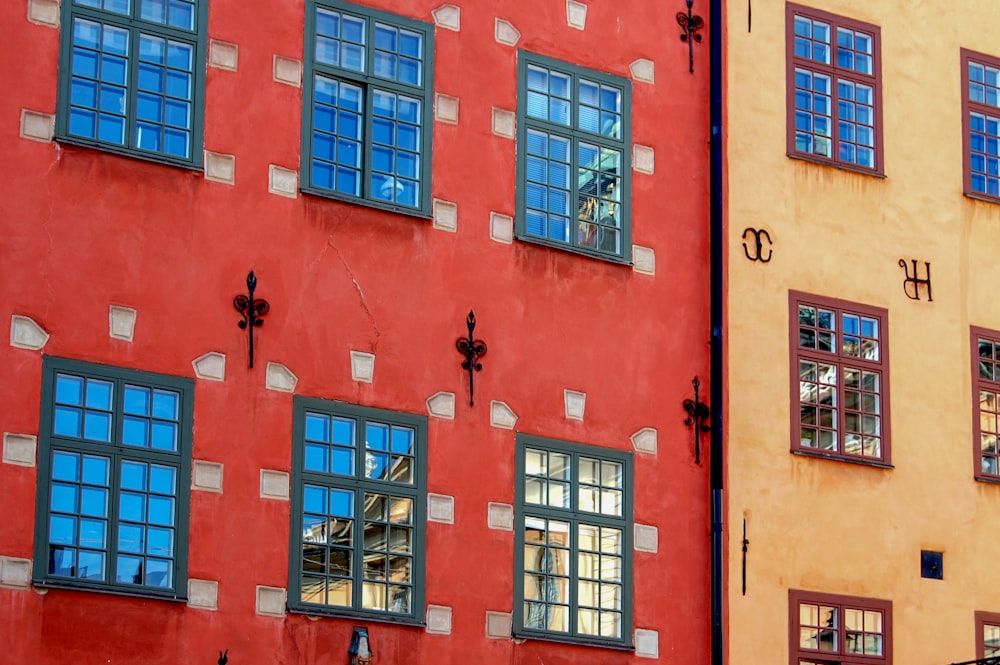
x: 573, y: 157
x: 981, y: 121
x: 839, y: 378
x: 574, y: 542
x: 986, y: 389
x: 987, y: 635
x: 834, y: 90
x: 839, y: 630
x: 132, y: 77
x: 368, y: 106
x: 358, y: 510
x: 114, y: 470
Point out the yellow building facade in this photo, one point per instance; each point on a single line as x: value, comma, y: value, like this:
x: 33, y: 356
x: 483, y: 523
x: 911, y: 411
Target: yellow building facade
x: 863, y: 217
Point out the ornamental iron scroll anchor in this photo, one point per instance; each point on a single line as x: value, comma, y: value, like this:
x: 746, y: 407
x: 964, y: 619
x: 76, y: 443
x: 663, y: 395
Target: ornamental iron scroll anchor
x: 760, y: 237
x: 473, y: 350
x: 691, y: 25
x: 698, y: 413
x: 252, y: 310
x: 916, y: 282
x: 224, y: 657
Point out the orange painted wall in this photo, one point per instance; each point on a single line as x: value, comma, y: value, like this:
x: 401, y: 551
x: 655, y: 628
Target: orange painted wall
x: 81, y: 230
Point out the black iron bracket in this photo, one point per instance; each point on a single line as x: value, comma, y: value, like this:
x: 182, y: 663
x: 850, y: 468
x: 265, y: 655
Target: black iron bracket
x: 698, y: 414
x: 252, y: 309
x: 224, y: 657
x: 911, y: 279
x: 691, y: 25
x: 473, y: 350
x: 760, y: 237
x: 992, y: 660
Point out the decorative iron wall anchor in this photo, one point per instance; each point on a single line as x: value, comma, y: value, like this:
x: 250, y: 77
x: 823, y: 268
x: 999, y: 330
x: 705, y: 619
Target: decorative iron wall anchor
x: 691, y: 25
x: 252, y: 309
x: 760, y: 236
x: 224, y: 657
x: 698, y: 413
x: 473, y: 350
x: 746, y: 546
x: 915, y: 282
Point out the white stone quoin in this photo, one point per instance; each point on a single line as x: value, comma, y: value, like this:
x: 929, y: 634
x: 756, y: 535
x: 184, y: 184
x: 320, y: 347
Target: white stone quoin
x: 44, y: 12
x: 362, y: 366
x: 37, y: 126
x: 121, y: 322
x: 26, y: 334
x: 439, y: 620
x: 501, y: 228
x: 647, y: 538
x: 280, y: 378
x: 271, y: 601
x: 203, y: 594
x: 19, y: 449
x: 448, y: 16
x: 643, y: 260
x: 445, y: 215
x: 446, y: 108
x: 504, y: 123
x: 501, y: 415
x: 207, y: 476
x: 643, y: 159
x: 273, y: 484
x: 15, y: 572
x: 576, y: 14
x: 282, y: 181
x: 643, y: 70
x: 211, y: 366
x: 500, y: 516
x: 441, y: 405
x: 220, y: 167
x: 644, y: 441
x: 223, y: 55
x: 576, y: 403
x: 287, y: 71
x: 441, y: 508
x: 505, y: 32
x: 647, y: 643
x: 498, y: 625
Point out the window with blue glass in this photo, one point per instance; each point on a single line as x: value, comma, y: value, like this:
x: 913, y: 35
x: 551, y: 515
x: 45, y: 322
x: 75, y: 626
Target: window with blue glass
x: 368, y: 106
x: 358, y: 510
x: 114, y: 468
x: 573, y: 158
x: 834, y: 89
x: 132, y: 77
x: 981, y: 120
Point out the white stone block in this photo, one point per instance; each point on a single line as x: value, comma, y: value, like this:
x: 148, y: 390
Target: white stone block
x: 500, y: 516
x: 121, y: 322
x: 643, y: 260
x: 501, y: 228
x: 576, y: 403
x: 287, y: 71
x: 282, y: 181
x: 203, y: 594
x: 26, y: 334
x: 15, y: 573
x: 643, y: 159
x: 19, y: 449
x: 647, y: 538
x: 223, y: 55
x: 441, y: 508
x: 448, y: 16
x: 647, y: 643
x: 446, y: 108
x: 37, y: 126
x: 445, y: 215
x: 439, y: 620
x: 498, y: 625
x: 644, y: 441
x: 504, y: 123
x: 501, y: 415
x: 220, y: 167
x: 642, y: 70
x: 442, y: 405
x: 280, y: 378
x: 207, y: 476
x: 576, y: 14
x: 44, y: 12
x: 211, y: 366
x: 362, y: 366
x: 270, y: 601
x: 506, y: 33
x: 273, y: 484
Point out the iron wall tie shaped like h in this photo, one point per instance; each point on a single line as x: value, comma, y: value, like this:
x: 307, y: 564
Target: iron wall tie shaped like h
x: 473, y: 349
x: 252, y: 309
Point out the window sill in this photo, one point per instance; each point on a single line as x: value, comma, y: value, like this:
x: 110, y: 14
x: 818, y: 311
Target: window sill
x: 569, y: 249
x: 840, y: 458
x: 368, y: 203
x: 560, y: 639
x: 985, y: 198
x: 988, y: 480
x: 131, y: 154
x: 835, y: 164
x: 376, y: 617
x: 114, y: 591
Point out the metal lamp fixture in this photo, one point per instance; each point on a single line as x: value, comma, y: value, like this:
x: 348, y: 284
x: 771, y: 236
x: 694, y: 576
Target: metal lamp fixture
x: 360, y: 650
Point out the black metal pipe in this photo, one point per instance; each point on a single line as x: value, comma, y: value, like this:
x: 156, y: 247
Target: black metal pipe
x: 717, y: 267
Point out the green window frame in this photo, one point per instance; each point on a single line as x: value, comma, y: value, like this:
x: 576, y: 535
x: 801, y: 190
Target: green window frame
x: 574, y: 163
x: 573, y: 556
x: 367, y: 116
x: 114, y: 476
x: 355, y: 465
x: 132, y: 78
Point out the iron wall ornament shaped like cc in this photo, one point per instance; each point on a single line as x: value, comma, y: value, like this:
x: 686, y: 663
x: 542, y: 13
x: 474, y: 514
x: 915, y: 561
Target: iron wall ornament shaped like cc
x: 691, y: 25
x: 698, y: 414
x: 760, y: 236
x: 473, y: 350
x: 911, y: 279
x: 252, y: 309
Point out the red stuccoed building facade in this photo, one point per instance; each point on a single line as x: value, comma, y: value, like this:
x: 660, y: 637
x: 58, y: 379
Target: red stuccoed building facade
x: 443, y: 415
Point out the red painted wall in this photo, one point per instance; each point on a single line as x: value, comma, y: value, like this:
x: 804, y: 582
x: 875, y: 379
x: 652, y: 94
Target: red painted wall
x: 82, y: 229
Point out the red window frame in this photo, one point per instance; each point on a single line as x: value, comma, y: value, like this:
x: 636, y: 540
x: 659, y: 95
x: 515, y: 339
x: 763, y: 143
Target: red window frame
x: 981, y: 139
x: 845, y: 149
x: 835, y: 619
x: 985, y: 403
x: 985, y: 621
x: 843, y: 406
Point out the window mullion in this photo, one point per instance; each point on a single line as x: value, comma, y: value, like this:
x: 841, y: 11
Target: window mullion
x: 367, y: 143
x: 132, y: 110
x: 358, y: 548
x: 574, y: 577
x: 114, y: 489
